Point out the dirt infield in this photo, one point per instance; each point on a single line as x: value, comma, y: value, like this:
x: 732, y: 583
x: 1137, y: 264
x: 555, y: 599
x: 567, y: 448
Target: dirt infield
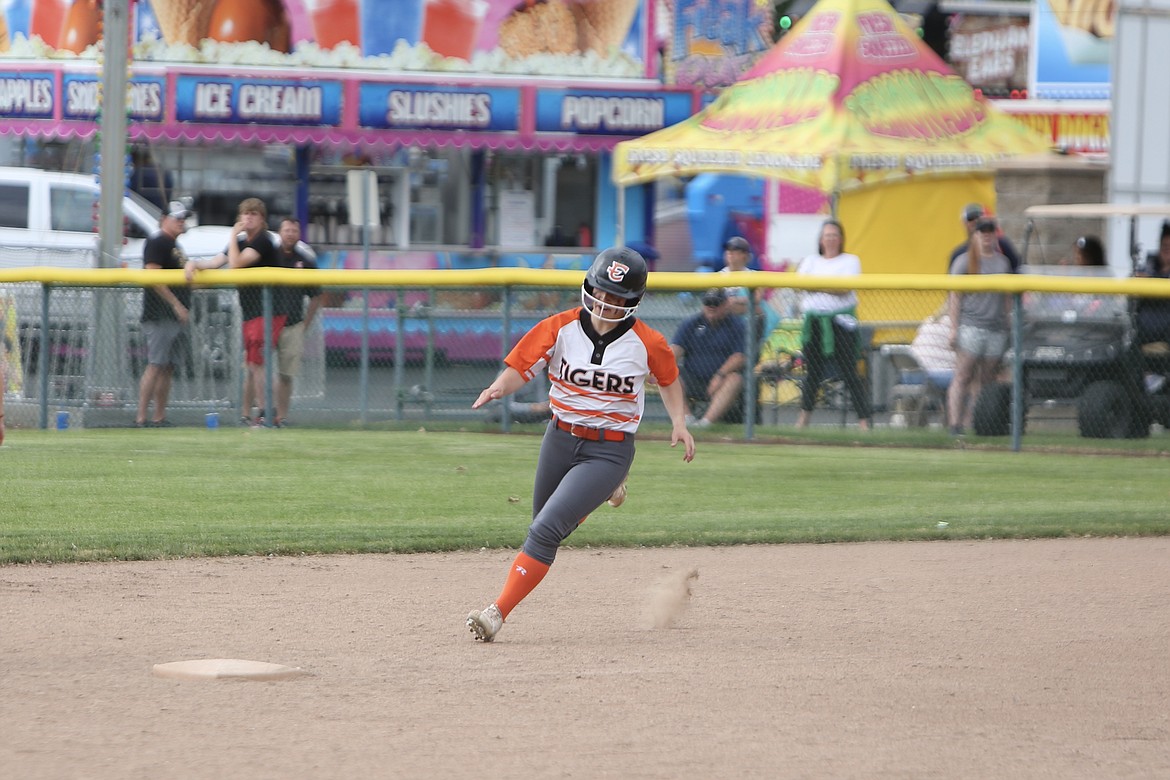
x: 920, y: 660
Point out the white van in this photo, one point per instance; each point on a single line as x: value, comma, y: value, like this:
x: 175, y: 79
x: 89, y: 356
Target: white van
x: 47, y: 218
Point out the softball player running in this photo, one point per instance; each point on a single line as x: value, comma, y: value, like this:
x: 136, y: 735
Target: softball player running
x: 598, y: 358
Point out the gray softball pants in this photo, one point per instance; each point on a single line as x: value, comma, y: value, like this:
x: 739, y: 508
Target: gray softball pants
x: 573, y: 477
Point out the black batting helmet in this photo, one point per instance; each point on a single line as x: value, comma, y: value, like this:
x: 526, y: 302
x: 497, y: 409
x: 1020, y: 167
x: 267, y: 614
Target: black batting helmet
x: 619, y: 271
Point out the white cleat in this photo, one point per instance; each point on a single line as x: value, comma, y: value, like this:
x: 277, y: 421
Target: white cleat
x: 485, y: 624
x: 618, y: 496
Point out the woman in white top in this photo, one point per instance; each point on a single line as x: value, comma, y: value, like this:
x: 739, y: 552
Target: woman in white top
x: 830, y: 325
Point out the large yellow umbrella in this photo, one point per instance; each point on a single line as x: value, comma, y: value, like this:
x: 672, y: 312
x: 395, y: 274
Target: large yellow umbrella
x: 849, y: 97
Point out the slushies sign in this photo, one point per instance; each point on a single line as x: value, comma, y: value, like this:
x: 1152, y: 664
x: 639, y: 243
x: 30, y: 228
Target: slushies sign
x: 391, y: 106
x: 144, y: 98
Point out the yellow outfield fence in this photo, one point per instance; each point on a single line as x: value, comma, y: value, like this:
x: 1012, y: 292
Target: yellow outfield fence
x: 420, y: 345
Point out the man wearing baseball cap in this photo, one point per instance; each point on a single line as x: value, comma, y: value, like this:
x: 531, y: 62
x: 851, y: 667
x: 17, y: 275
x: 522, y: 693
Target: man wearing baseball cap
x: 737, y: 253
x: 164, y: 313
x: 971, y: 214
x: 708, y: 347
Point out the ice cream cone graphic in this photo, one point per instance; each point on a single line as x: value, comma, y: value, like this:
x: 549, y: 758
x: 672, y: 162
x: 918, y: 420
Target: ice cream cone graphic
x: 602, y: 25
x: 183, y: 21
x: 538, y: 27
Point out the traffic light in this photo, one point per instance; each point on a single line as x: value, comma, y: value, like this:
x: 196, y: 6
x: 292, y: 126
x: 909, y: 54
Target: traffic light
x: 782, y: 18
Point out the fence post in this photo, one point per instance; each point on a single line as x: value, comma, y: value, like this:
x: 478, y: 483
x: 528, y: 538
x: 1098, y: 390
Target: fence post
x: 749, y: 369
x: 429, y: 367
x: 364, y: 360
x: 1017, y: 370
x: 399, y: 349
x: 505, y: 343
x: 269, y: 407
x: 43, y: 356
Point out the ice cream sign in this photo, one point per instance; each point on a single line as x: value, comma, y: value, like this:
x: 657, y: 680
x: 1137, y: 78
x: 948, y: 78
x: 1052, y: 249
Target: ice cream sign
x: 279, y: 102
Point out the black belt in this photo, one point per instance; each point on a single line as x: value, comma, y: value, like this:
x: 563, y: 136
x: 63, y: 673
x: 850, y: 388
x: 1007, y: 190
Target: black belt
x: 592, y: 434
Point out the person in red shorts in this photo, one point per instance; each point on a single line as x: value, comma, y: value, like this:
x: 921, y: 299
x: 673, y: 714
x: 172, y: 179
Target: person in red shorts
x: 254, y: 247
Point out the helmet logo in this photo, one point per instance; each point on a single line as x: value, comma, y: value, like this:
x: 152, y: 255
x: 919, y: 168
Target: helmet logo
x: 617, y: 271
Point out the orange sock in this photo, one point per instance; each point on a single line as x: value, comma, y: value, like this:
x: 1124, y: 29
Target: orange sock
x: 526, y: 574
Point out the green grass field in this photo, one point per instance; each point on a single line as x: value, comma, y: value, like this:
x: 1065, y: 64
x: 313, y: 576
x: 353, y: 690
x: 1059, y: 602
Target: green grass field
x: 130, y: 494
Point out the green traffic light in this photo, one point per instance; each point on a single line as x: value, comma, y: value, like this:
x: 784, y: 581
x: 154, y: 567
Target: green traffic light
x: 785, y: 22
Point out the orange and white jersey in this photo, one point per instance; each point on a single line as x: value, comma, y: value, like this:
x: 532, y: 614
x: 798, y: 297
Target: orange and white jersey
x: 596, y: 380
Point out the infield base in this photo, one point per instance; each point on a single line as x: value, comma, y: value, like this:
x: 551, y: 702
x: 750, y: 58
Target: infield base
x: 226, y: 669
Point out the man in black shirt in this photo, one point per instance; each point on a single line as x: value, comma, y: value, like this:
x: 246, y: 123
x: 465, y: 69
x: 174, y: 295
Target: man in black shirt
x: 972, y: 213
x: 290, y: 302
x: 253, y: 247
x: 164, y: 313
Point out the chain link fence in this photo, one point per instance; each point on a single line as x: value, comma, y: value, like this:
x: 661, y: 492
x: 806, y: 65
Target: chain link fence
x: 420, y: 348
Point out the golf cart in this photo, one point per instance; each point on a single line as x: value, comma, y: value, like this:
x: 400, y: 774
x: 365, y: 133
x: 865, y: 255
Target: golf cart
x: 1080, y: 349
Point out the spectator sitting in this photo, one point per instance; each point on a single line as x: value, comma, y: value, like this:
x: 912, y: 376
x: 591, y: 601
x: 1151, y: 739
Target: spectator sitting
x: 709, y: 349
x: 1088, y: 251
x: 932, y: 348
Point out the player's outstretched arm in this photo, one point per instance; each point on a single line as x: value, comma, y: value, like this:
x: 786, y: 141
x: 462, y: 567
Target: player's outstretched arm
x: 672, y: 399
x: 508, y: 382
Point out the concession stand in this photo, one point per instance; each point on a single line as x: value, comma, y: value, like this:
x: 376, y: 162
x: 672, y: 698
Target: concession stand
x: 488, y: 123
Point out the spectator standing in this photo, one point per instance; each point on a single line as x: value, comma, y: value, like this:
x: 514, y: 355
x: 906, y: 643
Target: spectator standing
x: 980, y: 324
x: 290, y: 302
x: 972, y: 213
x: 829, y: 332
x: 251, y: 247
x: 709, y: 349
x: 165, y: 311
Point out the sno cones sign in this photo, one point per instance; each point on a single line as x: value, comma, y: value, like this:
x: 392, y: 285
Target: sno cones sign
x: 849, y: 97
